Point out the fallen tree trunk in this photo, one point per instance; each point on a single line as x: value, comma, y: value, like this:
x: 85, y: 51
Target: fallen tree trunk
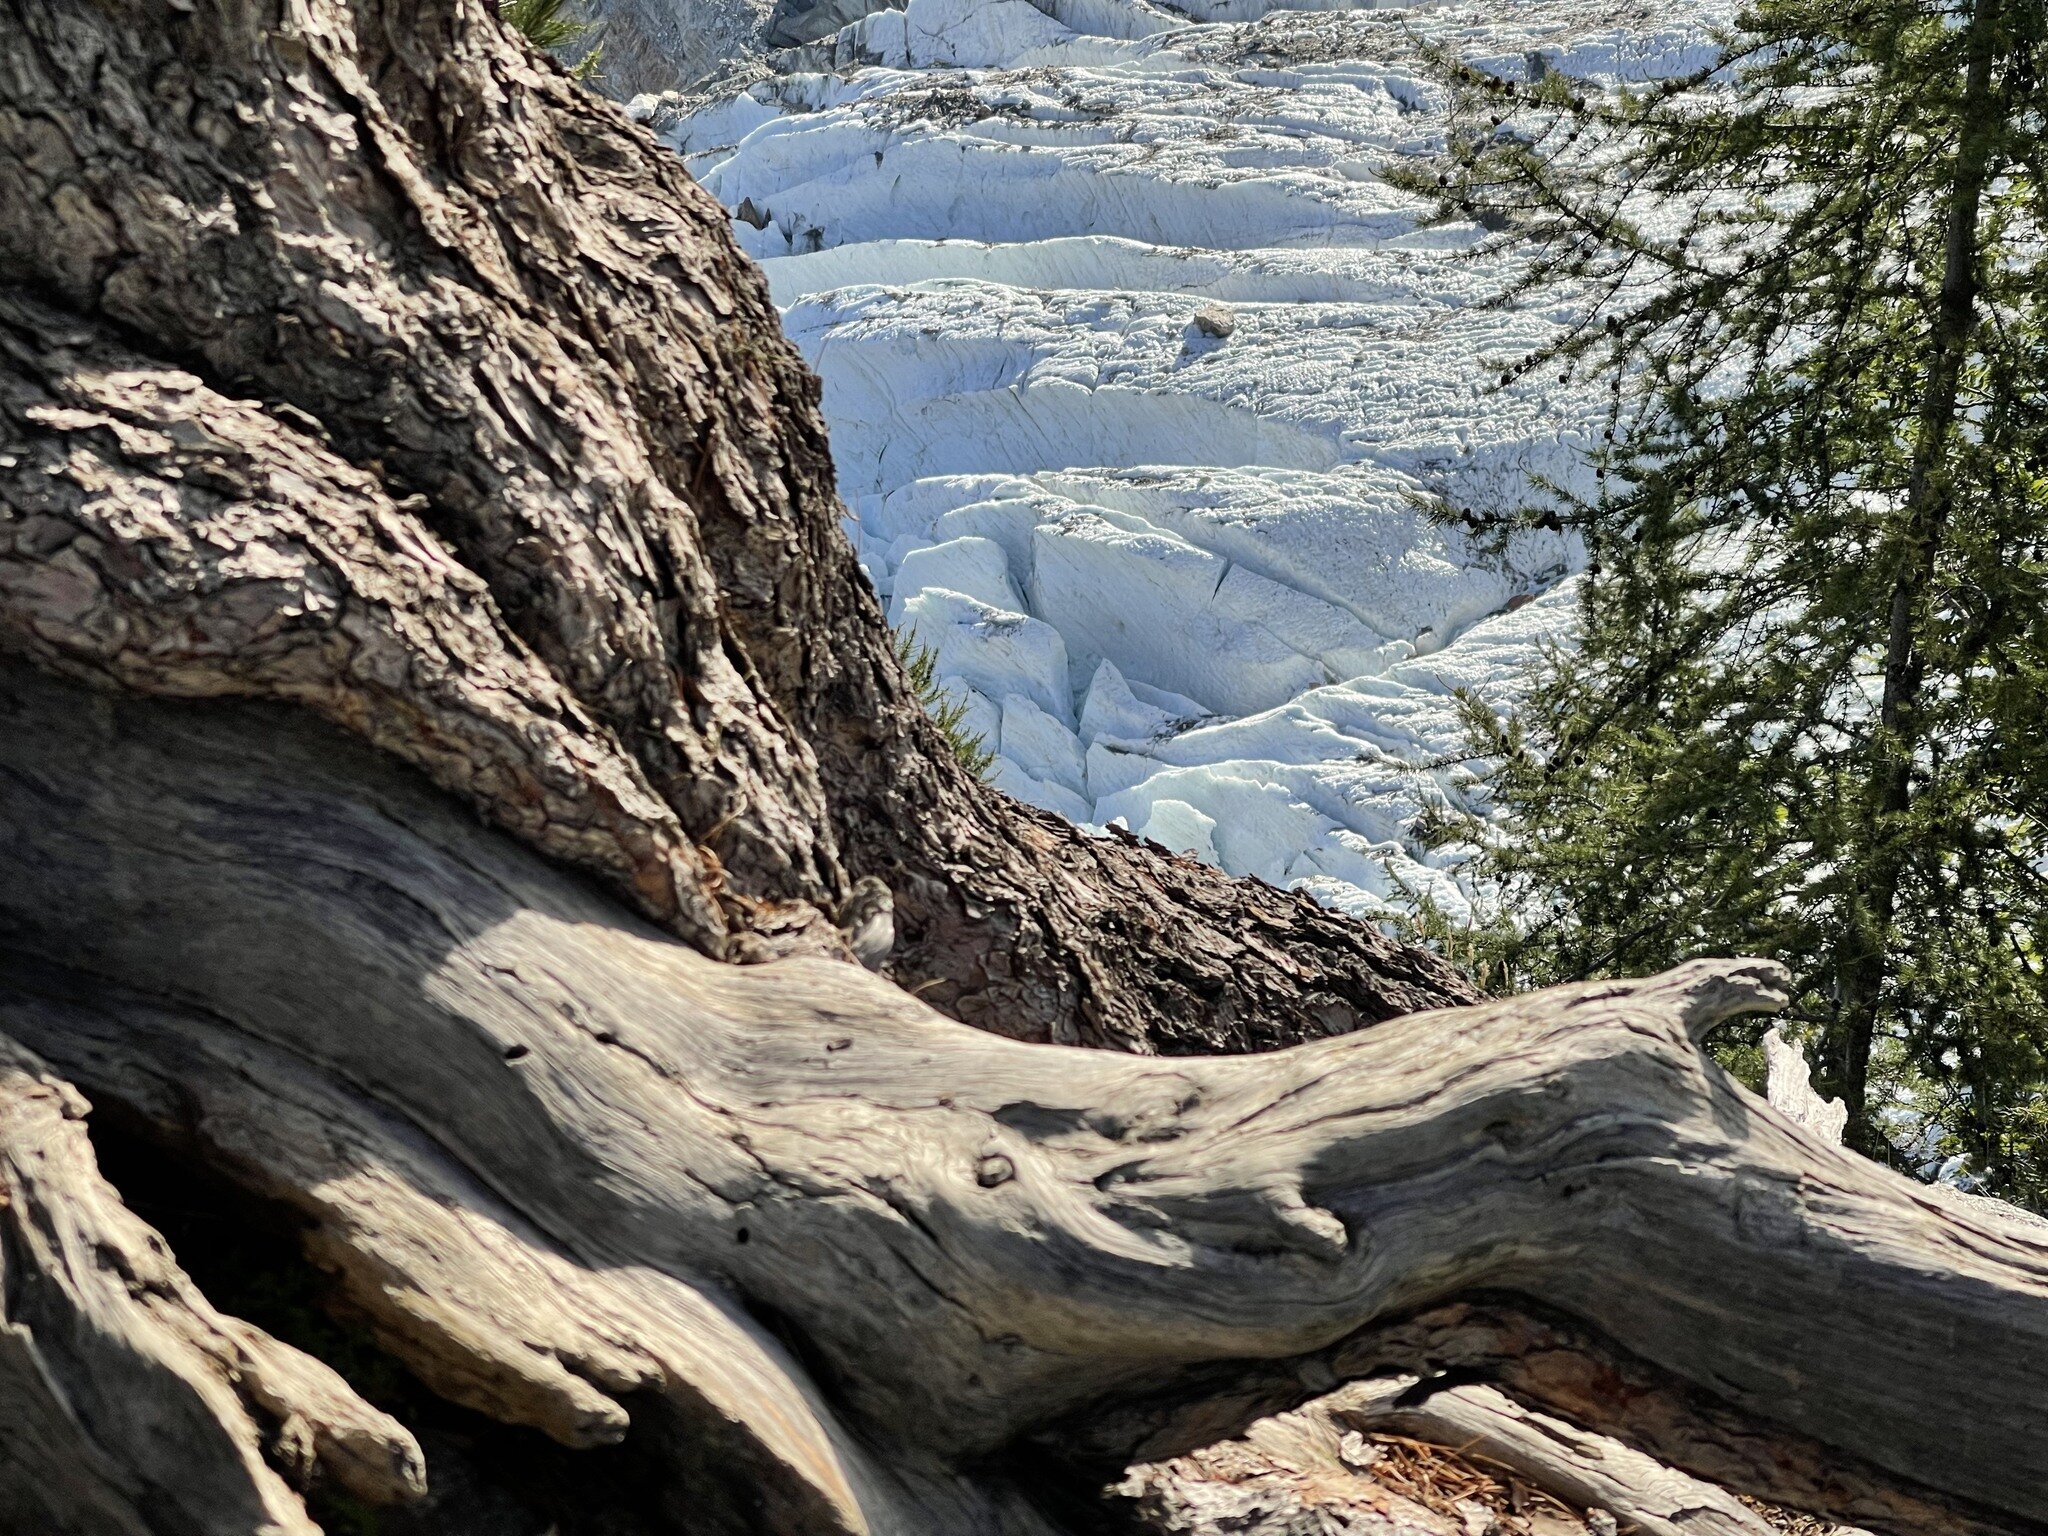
x: 1291, y: 1468
x: 966, y: 1237
x: 390, y: 433
x: 1592, y: 1471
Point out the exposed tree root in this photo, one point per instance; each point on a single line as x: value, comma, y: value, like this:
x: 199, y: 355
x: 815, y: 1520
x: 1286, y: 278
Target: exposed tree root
x: 131, y: 1404
x: 968, y: 1237
x: 376, y: 404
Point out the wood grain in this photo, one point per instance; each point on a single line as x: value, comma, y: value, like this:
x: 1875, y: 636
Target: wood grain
x: 972, y: 1235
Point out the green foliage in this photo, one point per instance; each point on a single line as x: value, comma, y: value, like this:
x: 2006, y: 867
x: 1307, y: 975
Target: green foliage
x: 921, y: 662
x: 1805, y: 719
x: 552, y: 25
x: 1485, y: 945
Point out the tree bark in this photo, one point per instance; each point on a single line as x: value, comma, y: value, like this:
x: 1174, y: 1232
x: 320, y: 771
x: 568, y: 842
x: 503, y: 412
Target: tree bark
x: 437, y: 263
x: 390, y: 433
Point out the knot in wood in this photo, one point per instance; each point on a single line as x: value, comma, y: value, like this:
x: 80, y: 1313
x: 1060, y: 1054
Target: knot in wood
x: 993, y: 1169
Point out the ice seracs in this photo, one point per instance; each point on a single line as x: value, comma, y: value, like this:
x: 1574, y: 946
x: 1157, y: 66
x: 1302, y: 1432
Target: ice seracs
x: 992, y: 650
x: 1143, y: 382
x: 971, y: 566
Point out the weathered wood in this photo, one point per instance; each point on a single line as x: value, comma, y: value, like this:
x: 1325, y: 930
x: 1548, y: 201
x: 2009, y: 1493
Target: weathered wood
x: 1309, y: 1472
x: 973, y: 1236
x: 1791, y: 1091
x: 374, y: 372
x: 1293, y: 1481
x: 1547, y: 1362
x: 438, y: 260
x: 127, y: 1403
x: 1585, y: 1470
x: 483, y: 1308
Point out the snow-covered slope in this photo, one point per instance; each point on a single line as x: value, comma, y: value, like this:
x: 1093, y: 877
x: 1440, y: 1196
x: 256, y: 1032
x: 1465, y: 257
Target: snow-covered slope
x: 1138, y: 374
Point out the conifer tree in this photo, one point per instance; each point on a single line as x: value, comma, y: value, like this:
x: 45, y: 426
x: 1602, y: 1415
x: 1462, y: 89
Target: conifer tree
x: 1805, y: 715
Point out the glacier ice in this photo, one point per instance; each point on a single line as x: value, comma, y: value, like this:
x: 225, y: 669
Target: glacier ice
x: 972, y: 567
x: 1142, y: 381
x: 1180, y: 828
x: 991, y: 649
x: 1047, y: 750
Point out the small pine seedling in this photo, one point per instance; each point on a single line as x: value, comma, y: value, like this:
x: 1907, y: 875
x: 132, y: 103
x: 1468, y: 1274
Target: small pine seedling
x: 921, y: 662
x: 550, y: 25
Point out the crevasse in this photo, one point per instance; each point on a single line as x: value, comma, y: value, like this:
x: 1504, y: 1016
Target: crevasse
x: 1139, y: 375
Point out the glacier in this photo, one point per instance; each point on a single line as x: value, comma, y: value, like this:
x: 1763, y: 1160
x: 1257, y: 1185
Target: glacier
x: 1141, y: 381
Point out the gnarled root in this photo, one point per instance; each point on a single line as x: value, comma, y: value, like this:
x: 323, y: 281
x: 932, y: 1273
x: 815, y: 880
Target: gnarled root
x: 130, y: 1404
x: 968, y: 1236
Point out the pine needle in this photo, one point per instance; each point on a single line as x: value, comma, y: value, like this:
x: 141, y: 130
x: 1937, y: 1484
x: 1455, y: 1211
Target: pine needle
x: 921, y: 662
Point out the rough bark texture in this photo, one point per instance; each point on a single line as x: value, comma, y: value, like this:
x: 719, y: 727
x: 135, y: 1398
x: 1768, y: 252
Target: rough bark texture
x: 403, y: 424
x: 473, y: 300
x: 165, y: 538
x: 969, y: 1237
